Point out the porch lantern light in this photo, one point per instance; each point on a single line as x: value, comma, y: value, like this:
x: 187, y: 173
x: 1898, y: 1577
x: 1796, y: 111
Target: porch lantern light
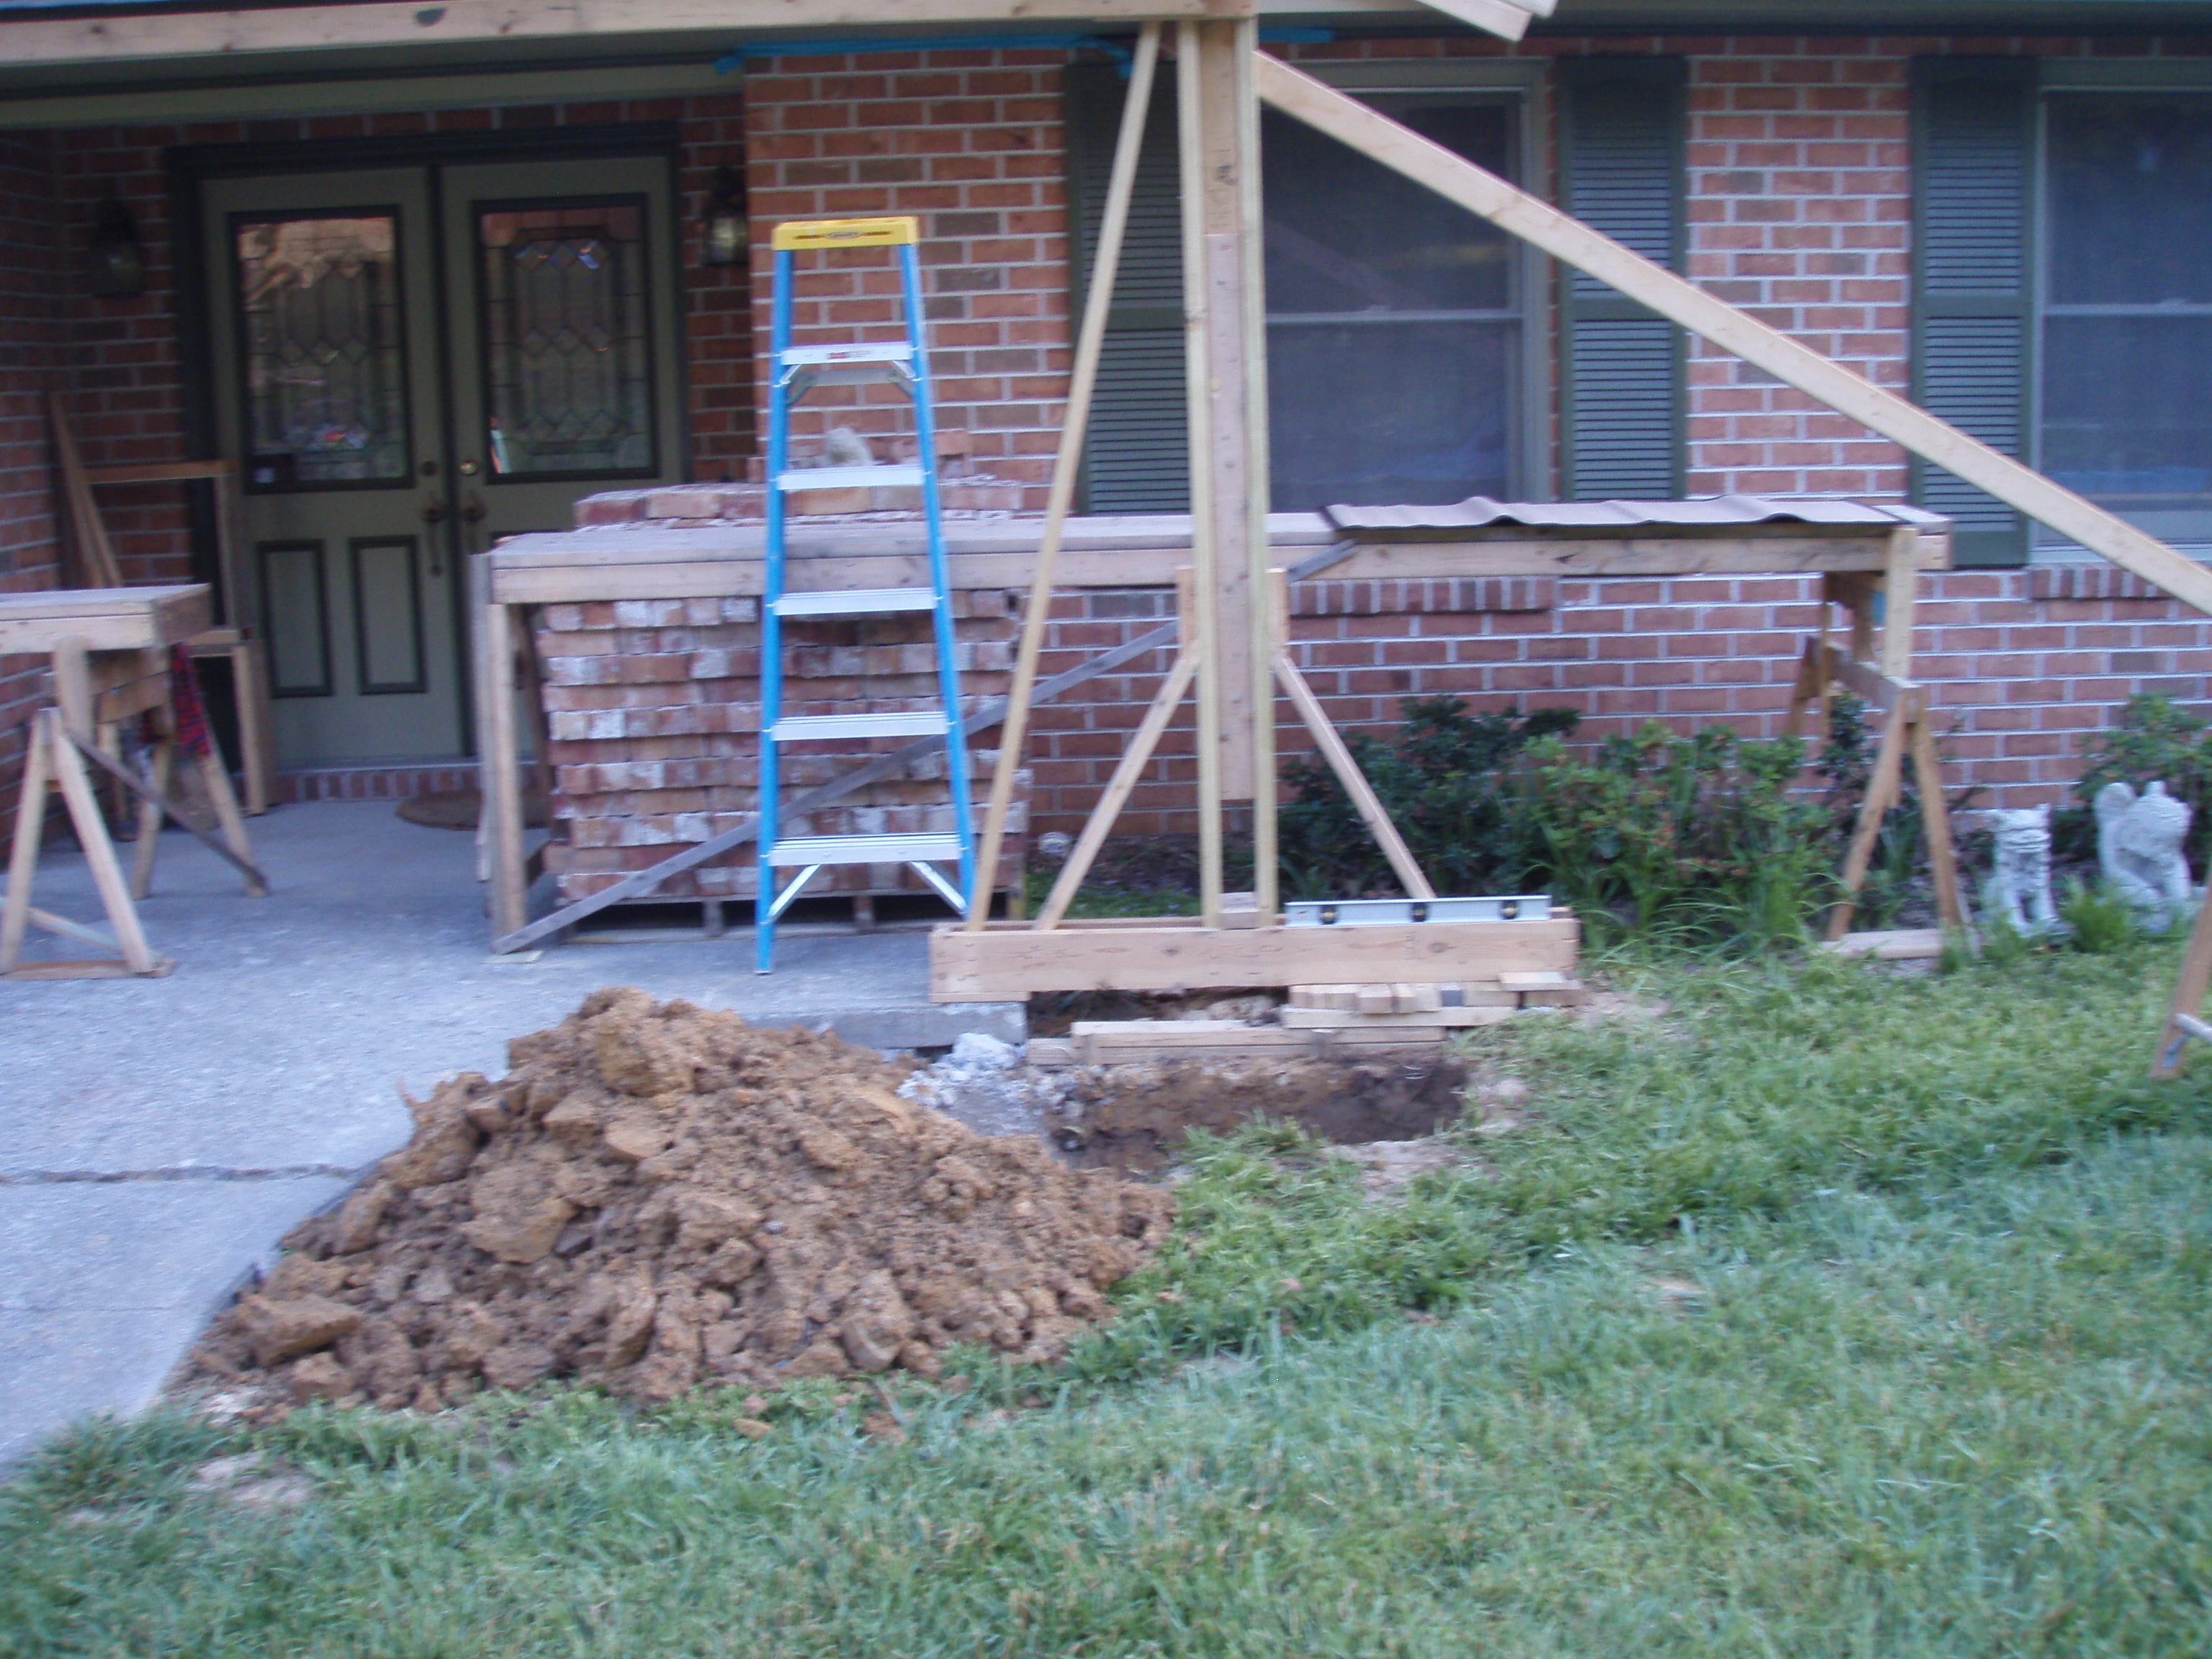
x: 119, y: 259
x: 727, y: 232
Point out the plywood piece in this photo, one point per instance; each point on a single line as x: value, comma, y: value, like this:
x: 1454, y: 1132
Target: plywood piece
x: 1449, y: 1019
x: 1893, y: 944
x: 1000, y: 962
x: 1135, y: 1042
x: 108, y: 618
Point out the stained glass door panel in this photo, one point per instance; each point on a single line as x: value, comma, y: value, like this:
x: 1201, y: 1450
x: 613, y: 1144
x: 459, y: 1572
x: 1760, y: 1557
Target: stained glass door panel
x: 564, y: 339
x: 327, y: 388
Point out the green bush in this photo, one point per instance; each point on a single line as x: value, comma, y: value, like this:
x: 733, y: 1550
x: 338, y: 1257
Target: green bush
x: 1700, y: 837
x: 1444, y: 785
x: 2153, y: 739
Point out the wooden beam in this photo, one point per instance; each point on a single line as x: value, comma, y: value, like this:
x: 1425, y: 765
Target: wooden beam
x: 1199, y: 392
x: 1364, y: 800
x: 117, y: 38
x: 1504, y: 18
x: 1067, y: 466
x: 1012, y: 960
x: 1378, y: 137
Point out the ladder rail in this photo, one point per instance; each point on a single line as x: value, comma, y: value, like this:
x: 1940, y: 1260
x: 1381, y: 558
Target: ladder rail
x: 766, y: 907
x: 795, y: 372
x: 948, y: 667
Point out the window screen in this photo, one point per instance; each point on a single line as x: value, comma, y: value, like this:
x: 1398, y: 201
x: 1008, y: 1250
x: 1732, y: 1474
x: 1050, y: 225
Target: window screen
x: 2125, y: 409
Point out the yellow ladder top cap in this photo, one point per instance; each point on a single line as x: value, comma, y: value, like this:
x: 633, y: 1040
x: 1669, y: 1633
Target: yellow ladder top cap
x: 795, y: 233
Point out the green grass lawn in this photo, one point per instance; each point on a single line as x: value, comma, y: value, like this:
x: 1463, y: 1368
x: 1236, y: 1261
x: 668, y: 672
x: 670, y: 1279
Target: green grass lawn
x: 1825, y: 1313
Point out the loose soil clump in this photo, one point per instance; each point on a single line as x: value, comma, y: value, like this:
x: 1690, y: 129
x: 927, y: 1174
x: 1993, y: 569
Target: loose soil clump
x: 658, y: 1196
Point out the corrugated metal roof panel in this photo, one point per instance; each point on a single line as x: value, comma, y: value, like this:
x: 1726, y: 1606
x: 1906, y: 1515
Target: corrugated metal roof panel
x: 1713, y: 511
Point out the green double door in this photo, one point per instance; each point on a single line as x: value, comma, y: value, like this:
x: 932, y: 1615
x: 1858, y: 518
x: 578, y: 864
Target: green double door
x: 411, y: 363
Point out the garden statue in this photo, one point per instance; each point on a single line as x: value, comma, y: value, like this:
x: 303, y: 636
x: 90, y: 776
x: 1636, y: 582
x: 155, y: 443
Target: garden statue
x: 2020, y: 882
x: 2139, y: 848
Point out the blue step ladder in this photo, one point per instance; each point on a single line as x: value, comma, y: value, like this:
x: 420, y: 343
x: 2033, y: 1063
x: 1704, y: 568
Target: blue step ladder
x: 798, y: 370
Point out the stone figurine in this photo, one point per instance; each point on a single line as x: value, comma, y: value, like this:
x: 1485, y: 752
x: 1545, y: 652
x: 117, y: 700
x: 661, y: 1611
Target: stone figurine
x: 2019, y: 885
x: 2139, y: 850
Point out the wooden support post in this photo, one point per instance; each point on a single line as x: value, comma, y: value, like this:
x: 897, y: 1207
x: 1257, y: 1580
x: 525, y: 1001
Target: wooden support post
x: 1900, y: 594
x: 1226, y: 322
x: 150, y: 816
x: 66, y: 766
x: 1067, y: 466
x: 2188, y: 996
x: 501, y: 789
x: 1936, y: 820
x: 1880, y: 795
x: 23, y: 856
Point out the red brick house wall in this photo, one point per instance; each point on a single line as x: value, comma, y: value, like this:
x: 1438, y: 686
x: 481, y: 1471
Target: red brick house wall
x: 31, y: 363
x: 1799, y: 203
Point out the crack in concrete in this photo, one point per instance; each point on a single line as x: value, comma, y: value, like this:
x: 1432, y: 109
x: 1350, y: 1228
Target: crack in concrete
x: 179, y: 1172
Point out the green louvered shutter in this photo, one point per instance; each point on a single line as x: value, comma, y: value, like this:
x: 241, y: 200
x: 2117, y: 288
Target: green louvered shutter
x: 1622, y: 369
x: 1137, y: 459
x: 1972, y: 314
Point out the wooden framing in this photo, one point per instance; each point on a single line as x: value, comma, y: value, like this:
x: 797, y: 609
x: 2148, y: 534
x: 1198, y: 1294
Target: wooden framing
x: 1883, y: 682
x: 1010, y: 960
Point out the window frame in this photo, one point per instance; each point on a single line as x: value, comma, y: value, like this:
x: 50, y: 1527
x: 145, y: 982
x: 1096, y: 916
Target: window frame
x: 2059, y: 78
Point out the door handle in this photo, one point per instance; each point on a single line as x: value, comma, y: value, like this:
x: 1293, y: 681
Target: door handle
x: 434, y: 510
x: 472, y: 509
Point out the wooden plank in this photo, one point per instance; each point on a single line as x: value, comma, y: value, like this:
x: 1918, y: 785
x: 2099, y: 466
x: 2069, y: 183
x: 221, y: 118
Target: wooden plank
x: 1200, y: 393
x: 1137, y: 1041
x: 92, y: 552
x: 737, y: 574
x: 98, y: 851
x: 2188, y: 993
x: 997, y: 963
x: 1067, y: 468
x: 256, y: 884
x: 23, y: 855
x: 1364, y: 798
x: 112, y: 619
x: 1134, y: 758
x: 1891, y: 944
x: 1935, y: 815
x: 162, y: 473
x: 1881, y: 793
x: 118, y: 37
x: 1376, y: 135
x: 501, y: 786
x: 1449, y: 1019
x: 1506, y: 19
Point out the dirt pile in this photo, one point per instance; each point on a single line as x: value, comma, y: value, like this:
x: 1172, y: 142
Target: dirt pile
x: 658, y: 1196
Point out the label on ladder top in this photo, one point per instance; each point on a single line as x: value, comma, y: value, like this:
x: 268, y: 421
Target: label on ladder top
x: 794, y: 233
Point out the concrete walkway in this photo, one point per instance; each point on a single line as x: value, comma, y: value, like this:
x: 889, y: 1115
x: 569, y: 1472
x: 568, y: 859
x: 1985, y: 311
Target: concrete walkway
x: 162, y: 1134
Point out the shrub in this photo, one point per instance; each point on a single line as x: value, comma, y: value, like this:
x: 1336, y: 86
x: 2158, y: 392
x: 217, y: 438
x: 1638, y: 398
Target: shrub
x: 2153, y: 739
x: 1442, y: 784
x: 1701, y: 837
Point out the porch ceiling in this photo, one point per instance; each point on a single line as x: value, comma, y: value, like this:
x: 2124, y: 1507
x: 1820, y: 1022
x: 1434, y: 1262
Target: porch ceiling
x: 49, y: 47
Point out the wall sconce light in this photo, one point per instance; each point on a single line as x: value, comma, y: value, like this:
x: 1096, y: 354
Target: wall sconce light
x: 119, y: 259
x: 727, y: 233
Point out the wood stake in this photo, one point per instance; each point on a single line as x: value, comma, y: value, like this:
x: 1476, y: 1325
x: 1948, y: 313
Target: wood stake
x: 1082, y: 382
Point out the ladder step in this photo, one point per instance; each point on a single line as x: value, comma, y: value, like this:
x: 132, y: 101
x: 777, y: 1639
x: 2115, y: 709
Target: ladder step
x: 856, y: 602
x: 865, y: 849
x: 848, y: 477
x: 814, y: 728
x: 874, y: 351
